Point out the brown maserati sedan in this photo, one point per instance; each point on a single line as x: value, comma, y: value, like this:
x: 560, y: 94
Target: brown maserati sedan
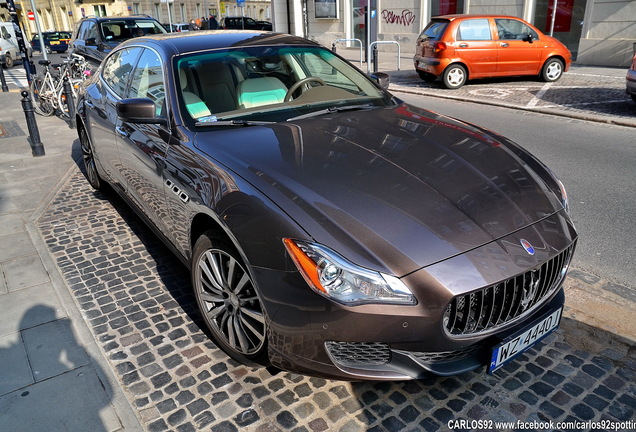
x: 331, y: 229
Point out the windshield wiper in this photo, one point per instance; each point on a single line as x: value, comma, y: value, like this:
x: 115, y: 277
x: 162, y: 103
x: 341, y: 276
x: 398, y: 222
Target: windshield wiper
x: 332, y: 110
x: 233, y: 123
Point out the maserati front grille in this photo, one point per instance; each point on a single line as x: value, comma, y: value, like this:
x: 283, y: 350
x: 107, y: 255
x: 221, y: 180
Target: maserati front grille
x: 498, y: 304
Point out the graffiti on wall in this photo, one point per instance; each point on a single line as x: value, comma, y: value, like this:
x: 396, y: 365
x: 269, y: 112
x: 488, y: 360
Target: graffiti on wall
x: 406, y: 18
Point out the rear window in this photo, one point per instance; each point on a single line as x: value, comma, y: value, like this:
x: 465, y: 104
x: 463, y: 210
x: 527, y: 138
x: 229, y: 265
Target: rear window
x: 434, y: 30
x: 57, y: 36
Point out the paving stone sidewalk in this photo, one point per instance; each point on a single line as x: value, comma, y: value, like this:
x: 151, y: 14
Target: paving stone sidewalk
x: 136, y: 297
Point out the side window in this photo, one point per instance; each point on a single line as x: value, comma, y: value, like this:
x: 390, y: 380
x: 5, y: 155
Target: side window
x: 147, y: 80
x: 5, y: 33
x: 474, y: 29
x: 509, y: 29
x: 91, y: 31
x: 117, y: 69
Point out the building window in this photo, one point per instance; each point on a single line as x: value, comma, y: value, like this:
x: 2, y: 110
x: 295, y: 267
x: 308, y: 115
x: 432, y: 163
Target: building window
x: 99, y: 10
x: 137, y: 8
x: 158, y: 11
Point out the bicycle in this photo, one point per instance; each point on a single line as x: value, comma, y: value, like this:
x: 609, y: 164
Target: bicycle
x: 47, y: 91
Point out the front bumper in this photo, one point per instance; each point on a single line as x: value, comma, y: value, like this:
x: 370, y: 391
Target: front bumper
x: 312, y: 335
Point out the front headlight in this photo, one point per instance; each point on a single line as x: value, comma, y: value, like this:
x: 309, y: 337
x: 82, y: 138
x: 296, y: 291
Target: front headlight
x: 333, y: 276
x: 564, y: 196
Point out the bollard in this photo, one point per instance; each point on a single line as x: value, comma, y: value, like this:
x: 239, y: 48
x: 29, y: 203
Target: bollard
x: 5, y: 88
x: 333, y: 47
x: 70, y: 103
x: 37, y: 148
x: 375, y: 58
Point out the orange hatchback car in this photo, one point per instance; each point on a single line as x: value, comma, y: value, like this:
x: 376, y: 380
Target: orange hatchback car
x: 462, y: 47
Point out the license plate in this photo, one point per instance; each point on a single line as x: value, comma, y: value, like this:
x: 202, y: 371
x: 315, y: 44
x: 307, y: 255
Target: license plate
x: 54, y: 43
x: 517, y: 344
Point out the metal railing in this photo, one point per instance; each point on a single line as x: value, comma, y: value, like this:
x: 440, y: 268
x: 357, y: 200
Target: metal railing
x: 372, y: 46
x: 333, y: 46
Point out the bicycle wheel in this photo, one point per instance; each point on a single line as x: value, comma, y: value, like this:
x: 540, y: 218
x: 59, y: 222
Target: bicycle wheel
x: 42, y: 96
x: 61, y: 97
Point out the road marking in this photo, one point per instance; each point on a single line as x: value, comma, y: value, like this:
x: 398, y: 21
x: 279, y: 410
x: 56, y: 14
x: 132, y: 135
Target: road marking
x: 586, y: 103
x: 535, y: 100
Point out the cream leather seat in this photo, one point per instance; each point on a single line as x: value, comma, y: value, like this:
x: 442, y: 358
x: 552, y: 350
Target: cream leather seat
x: 254, y: 92
x: 196, y: 107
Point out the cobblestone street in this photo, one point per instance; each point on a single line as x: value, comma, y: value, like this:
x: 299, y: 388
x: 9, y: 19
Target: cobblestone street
x: 136, y: 297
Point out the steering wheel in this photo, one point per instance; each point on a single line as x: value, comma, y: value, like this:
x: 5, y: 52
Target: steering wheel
x: 295, y: 86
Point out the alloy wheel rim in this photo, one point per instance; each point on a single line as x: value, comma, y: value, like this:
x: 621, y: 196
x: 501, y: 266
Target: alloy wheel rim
x: 455, y: 77
x: 554, y: 70
x: 229, y: 301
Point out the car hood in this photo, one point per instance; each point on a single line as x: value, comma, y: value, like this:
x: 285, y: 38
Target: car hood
x: 394, y: 189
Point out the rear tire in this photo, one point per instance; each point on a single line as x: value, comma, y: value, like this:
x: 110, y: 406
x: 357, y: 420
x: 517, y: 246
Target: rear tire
x: 427, y: 77
x: 228, y: 300
x: 90, y: 164
x: 8, y: 61
x: 552, y: 70
x: 454, y: 76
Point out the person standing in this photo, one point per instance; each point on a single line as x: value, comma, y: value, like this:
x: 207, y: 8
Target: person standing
x: 213, y: 24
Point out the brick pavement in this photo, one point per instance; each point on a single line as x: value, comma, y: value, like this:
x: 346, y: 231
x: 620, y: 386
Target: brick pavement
x: 136, y: 298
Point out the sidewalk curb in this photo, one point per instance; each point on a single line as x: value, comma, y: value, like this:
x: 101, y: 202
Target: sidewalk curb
x: 549, y: 111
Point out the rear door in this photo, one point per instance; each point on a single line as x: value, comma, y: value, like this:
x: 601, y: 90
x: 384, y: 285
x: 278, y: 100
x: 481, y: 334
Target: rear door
x: 476, y: 47
x: 518, y: 53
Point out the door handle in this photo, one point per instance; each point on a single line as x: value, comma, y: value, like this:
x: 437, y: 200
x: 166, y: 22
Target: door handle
x: 89, y: 104
x: 463, y: 45
x: 121, y: 131
x: 504, y: 45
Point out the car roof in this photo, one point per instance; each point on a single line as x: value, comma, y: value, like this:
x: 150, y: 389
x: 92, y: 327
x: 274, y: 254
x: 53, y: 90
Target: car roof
x: 453, y: 17
x: 176, y: 43
x: 120, y: 18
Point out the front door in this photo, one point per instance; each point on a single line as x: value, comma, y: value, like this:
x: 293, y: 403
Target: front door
x: 143, y: 147
x: 518, y: 53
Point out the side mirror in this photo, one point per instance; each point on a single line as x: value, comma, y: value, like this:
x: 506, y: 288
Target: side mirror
x: 139, y: 110
x: 91, y: 42
x: 383, y: 79
x: 528, y: 38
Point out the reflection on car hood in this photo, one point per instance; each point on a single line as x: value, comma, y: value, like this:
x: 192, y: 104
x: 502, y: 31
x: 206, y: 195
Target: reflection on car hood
x: 392, y: 188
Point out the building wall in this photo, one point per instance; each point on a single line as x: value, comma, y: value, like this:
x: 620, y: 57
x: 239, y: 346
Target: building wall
x: 64, y: 14
x: 609, y: 33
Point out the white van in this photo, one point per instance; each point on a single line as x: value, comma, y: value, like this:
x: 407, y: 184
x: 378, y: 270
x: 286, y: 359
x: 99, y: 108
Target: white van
x: 9, y: 49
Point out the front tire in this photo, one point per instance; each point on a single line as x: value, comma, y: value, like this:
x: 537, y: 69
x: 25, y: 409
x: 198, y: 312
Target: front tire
x: 454, y: 76
x: 228, y: 300
x: 552, y: 70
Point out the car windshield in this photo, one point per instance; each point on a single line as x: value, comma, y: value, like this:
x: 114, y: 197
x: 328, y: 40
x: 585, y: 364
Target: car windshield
x: 127, y: 29
x: 268, y: 84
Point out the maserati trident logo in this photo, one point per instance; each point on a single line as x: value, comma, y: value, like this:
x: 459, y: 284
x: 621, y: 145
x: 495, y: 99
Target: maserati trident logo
x: 530, y: 290
x: 527, y: 246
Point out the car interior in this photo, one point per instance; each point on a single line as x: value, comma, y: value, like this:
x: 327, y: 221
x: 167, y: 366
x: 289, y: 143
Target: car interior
x: 242, y: 82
